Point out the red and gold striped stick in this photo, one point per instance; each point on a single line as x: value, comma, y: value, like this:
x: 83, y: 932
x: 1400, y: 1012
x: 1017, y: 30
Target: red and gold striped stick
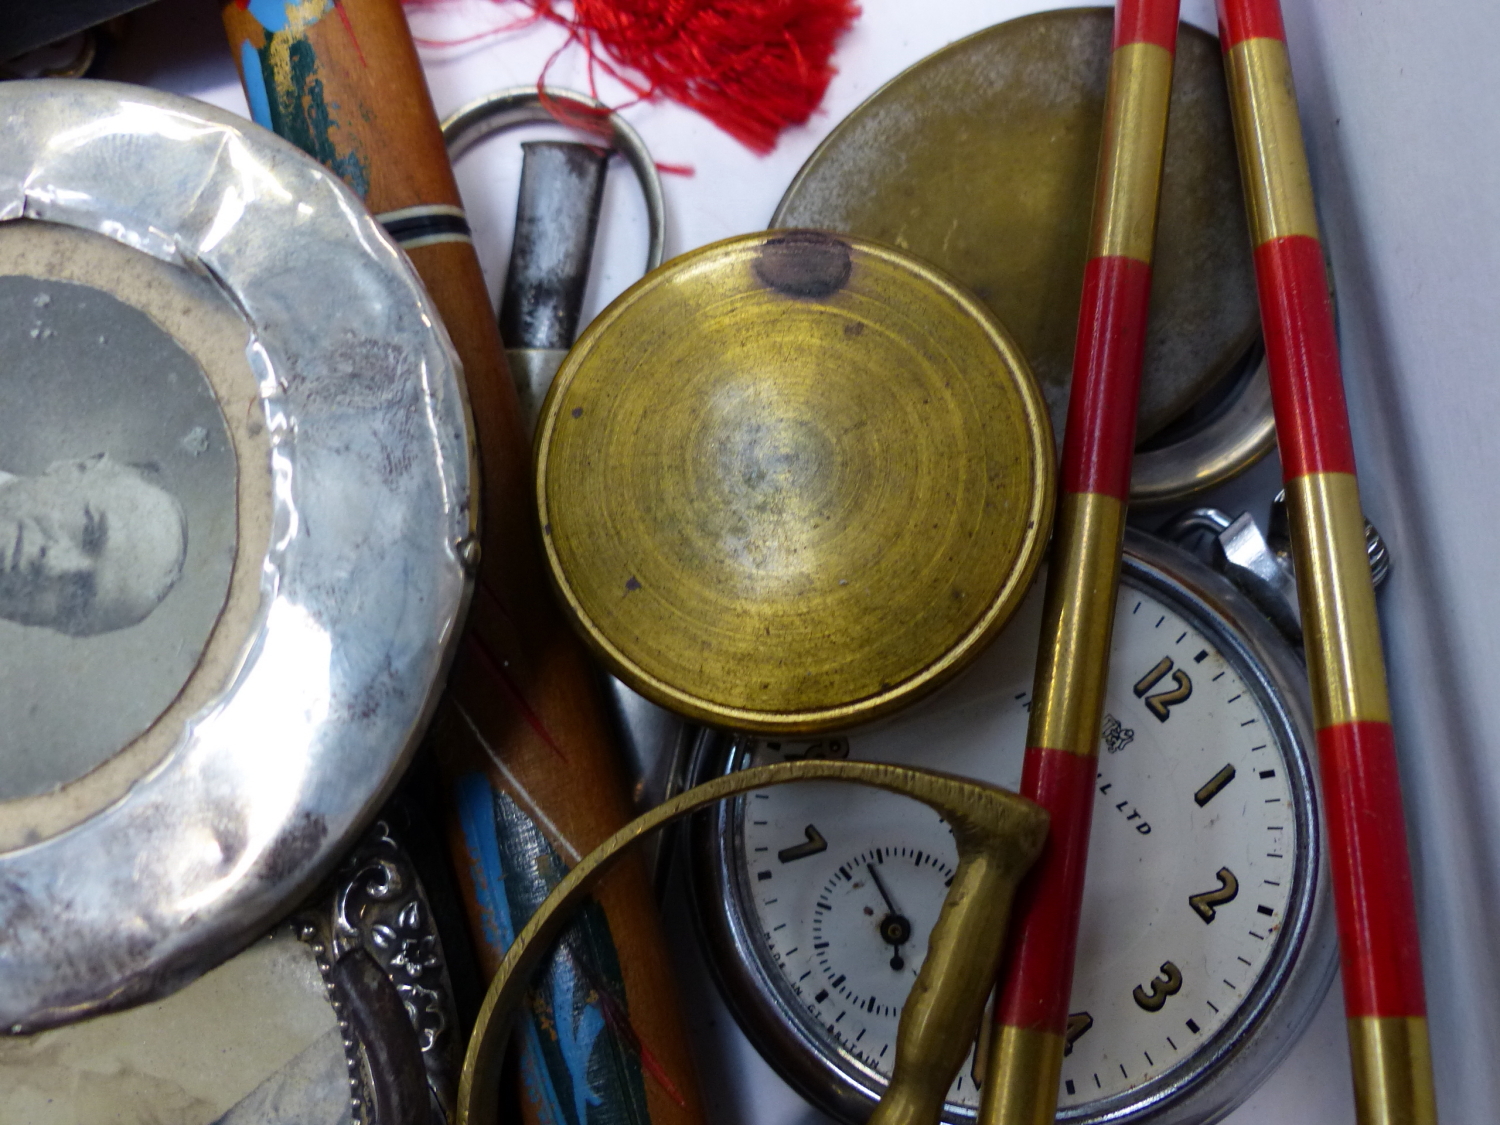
x: 1062, y: 742
x: 1377, y: 919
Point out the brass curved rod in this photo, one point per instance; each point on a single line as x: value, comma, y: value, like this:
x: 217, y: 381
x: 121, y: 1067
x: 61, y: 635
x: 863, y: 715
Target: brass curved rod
x: 999, y: 836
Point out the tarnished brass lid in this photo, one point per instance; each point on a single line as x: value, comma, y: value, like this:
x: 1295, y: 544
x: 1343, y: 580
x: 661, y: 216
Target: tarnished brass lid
x: 790, y: 480
x: 981, y: 159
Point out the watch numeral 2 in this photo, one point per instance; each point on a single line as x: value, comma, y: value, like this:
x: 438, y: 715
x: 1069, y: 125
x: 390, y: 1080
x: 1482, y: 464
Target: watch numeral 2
x: 1168, y: 984
x: 1161, y: 703
x: 1204, y: 903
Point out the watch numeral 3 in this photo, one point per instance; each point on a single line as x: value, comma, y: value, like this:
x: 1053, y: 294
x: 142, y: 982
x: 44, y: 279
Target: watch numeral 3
x: 1168, y: 984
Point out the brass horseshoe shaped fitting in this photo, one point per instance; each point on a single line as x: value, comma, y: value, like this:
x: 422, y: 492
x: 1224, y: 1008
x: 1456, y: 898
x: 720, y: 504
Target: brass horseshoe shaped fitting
x: 999, y: 836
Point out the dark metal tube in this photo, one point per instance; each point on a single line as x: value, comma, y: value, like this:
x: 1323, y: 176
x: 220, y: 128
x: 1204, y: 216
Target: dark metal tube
x: 557, y: 216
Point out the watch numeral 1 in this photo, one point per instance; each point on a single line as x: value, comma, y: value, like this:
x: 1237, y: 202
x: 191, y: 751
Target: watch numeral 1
x: 815, y: 844
x: 1211, y: 788
x: 1168, y: 984
x: 1150, y: 679
x: 1204, y: 903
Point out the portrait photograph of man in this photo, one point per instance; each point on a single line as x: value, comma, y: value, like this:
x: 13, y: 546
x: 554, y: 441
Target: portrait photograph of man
x: 89, y: 546
x: 117, y: 527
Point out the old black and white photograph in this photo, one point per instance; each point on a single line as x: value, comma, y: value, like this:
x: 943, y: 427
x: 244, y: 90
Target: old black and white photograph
x: 117, y: 527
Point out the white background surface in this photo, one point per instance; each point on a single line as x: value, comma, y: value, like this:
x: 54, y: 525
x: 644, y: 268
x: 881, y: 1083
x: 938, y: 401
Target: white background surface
x: 1399, y: 104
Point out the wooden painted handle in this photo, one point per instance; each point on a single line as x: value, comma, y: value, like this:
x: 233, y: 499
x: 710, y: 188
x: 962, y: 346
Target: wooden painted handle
x: 521, y: 733
x: 1062, y: 740
x: 1377, y: 918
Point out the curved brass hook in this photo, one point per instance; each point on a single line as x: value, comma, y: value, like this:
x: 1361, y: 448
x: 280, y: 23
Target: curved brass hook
x: 999, y: 836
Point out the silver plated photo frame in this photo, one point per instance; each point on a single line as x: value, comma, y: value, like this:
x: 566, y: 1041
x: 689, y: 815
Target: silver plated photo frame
x: 236, y: 535
x: 344, y: 1014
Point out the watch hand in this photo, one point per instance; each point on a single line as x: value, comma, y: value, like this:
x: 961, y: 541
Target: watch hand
x: 880, y: 886
x: 894, y: 928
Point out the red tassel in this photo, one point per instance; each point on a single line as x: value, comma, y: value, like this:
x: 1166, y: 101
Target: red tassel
x: 752, y: 67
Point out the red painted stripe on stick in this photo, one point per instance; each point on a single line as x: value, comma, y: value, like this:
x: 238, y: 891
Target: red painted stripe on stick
x: 1039, y: 970
x: 1100, y: 435
x: 1372, y: 887
x: 1312, y: 421
x: 1146, y: 21
x: 1249, y: 19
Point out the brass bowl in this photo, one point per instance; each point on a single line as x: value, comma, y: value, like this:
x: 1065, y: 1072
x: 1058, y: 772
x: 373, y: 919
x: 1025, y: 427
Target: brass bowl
x: 790, y: 480
x: 981, y: 158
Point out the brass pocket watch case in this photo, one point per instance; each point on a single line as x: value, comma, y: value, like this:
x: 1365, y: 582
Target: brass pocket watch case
x: 790, y: 481
x: 981, y: 158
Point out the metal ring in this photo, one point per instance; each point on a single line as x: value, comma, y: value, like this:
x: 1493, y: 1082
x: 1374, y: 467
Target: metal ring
x: 1238, y: 438
x: 520, y: 105
x: 1226, y: 447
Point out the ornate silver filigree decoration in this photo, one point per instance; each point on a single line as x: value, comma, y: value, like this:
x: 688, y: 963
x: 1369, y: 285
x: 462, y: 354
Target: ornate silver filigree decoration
x: 377, y: 908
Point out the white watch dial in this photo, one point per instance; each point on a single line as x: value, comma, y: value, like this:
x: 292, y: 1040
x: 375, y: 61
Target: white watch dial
x: 1192, y: 857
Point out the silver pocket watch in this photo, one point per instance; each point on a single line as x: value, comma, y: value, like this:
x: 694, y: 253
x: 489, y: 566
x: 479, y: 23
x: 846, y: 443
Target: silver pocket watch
x: 1207, y: 939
